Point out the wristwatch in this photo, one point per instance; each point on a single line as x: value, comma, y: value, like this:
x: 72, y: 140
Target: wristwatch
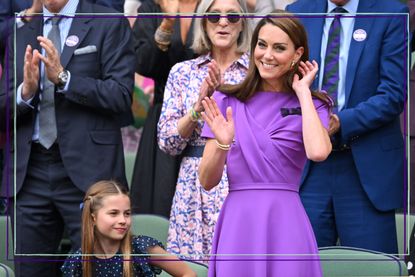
x: 62, y: 79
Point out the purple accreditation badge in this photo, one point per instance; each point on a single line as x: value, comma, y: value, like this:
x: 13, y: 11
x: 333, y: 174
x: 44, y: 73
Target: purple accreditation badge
x: 72, y: 41
x: 359, y: 35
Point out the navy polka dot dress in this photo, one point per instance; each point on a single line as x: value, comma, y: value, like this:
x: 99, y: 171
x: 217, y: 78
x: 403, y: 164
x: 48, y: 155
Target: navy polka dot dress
x: 113, y: 267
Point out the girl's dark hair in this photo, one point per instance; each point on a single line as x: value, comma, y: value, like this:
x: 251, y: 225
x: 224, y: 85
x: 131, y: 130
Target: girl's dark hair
x: 295, y: 30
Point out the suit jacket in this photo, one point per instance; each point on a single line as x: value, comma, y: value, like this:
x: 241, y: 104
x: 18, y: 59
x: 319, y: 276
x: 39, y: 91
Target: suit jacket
x: 375, y: 79
x: 99, y: 91
x: 411, y: 103
x: 8, y: 8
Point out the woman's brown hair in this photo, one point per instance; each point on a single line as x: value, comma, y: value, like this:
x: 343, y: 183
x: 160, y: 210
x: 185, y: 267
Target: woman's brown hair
x: 92, y: 203
x: 289, y: 24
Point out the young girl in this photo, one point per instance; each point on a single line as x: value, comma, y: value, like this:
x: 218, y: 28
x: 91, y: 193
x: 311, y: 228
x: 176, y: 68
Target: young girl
x: 106, y: 237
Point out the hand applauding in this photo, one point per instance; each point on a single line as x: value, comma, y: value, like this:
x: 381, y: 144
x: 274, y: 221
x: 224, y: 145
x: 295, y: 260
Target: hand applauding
x: 222, y: 128
x: 209, y: 85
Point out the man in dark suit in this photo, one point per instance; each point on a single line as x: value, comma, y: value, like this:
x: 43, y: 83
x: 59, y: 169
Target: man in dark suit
x: 352, y: 196
x: 92, y: 81
x: 411, y: 103
x: 411, y: 133
x: 8, y: 9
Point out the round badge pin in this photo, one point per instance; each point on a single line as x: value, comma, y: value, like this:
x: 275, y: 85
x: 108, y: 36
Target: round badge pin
x: 72, y: 41
x: 359, y: 35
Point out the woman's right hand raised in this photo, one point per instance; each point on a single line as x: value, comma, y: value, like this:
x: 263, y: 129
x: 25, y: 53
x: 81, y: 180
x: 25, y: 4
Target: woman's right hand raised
x: 209, y: 85
x: 308, y: 71
x: 222, y: 128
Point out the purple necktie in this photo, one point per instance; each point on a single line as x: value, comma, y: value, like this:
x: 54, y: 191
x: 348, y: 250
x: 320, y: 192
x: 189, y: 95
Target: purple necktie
x: 331, y: 61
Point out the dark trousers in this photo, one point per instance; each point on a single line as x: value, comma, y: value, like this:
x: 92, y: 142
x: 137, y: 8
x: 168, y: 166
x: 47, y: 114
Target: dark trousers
x: 411, y: 257
x: 2, y: 201
x: 47, y: 202
x: 411, y: 183
x: 339, y: 208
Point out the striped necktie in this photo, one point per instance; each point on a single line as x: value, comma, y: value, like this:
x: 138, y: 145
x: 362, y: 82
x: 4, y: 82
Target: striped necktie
x: 331, y: 62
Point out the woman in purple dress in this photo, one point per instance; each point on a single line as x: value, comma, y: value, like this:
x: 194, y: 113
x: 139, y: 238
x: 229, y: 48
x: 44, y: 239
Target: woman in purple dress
x: 272, y: 124
x: 223, y: 45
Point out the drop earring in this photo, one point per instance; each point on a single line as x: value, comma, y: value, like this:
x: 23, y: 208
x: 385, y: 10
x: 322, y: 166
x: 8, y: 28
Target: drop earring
x: 292, y: 64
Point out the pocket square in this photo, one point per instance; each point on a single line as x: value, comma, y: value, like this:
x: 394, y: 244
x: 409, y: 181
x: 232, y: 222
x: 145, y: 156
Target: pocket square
x: 85, y: 50
x: 290, y: 111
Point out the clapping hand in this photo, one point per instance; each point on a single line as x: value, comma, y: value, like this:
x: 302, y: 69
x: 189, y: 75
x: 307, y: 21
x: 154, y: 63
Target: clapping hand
x: 30, y: 73
x: 222, y: 128
x: 51, y: 59
x: 309, y: 71
x: 209, y: 85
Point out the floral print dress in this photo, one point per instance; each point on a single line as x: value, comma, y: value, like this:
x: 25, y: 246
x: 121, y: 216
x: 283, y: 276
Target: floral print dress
x: 194, y: 210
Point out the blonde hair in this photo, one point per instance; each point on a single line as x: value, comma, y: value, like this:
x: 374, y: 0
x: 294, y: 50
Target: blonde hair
x: 91, y: 204
x: 201, y: 42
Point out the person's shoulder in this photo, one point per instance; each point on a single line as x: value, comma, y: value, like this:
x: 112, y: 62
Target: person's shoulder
x: 224, y: 100
x: 96, y: 8
x: 77, y: 253
x: 73, y: 264
x: 220, y: 96
x: 323, y: 100
x: 106, y: 16
x: 389, y: 6
x: 142, y: 243
x: 300, y: 6
x: 184, y: 66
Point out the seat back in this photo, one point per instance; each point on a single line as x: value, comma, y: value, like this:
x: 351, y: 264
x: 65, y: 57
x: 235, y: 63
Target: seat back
x: 150, y: 225
x: 349, y: 261
x: 157, y: 227
x: 200, y: 269
x: 401, y: 229
x: 6, y: 271
x: 6, y: 242
x: 129, y: 159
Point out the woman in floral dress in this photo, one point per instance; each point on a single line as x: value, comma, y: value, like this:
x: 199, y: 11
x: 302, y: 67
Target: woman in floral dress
x: 222, y: 40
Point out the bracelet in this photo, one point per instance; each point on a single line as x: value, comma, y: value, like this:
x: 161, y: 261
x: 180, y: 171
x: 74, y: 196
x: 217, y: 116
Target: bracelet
x: 162, y: 47
x: 194, y: 115
x: 162, y: 38
x: 22, y: 15
x: 224, y: 147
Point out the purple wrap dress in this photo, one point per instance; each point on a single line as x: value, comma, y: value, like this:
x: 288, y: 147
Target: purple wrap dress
x: 263, y: 229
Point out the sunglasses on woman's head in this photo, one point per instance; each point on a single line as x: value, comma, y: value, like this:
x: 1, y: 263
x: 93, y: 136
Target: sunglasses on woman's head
x: 231, y: 17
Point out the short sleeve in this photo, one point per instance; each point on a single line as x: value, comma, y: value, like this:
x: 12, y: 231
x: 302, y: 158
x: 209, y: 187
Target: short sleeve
x: 323, y: 111
x: 222, y: 100
x: 72, y: 266
x: 140, y: 246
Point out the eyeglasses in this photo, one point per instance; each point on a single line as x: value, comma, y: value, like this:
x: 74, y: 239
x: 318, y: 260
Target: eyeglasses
x: 231, y: 17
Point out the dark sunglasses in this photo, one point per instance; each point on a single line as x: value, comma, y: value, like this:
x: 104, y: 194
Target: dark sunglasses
x: 231, y: 17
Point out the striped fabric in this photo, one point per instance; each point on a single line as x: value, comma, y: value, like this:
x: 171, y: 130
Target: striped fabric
x: 331, y: 61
